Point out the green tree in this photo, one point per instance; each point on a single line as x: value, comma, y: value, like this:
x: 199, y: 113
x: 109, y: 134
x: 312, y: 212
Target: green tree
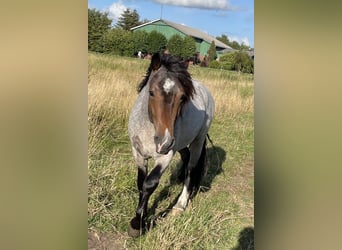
x: 235, y: 45
x: 223, y: 38
x: 238, y: 60
x: 155, y: 41
x: 243, y: 63
x: 212, y: 52
x: 128, y: 19
x: 189, y: 47
x: 98, y: 25
x: 174, y: 45
x: 244, y: 47
x: 140, y: 41
x: 232, y: 44
x: 228, y: 61
x: 118, y: 41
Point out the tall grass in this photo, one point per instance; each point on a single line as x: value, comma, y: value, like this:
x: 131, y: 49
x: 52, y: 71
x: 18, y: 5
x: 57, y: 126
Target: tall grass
x: 216, y: 216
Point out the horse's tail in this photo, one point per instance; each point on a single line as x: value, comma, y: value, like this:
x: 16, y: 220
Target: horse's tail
x: 198, y: 172
x: 211, y: 142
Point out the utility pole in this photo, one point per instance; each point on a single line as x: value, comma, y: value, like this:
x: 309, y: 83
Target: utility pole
x: 161, y: 10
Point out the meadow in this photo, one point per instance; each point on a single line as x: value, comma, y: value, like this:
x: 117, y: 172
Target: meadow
x: 220, y: 216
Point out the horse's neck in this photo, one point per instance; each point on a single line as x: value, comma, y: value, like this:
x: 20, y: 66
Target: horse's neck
x: 143, y: 104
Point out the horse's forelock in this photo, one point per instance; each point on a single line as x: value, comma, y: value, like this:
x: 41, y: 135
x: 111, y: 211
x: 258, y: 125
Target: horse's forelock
x: 179, y: 70
x: 175, y: 67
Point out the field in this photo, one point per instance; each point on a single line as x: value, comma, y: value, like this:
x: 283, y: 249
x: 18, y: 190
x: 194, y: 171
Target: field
x: 221, y: 216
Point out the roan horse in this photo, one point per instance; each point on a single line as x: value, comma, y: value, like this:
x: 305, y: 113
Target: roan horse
x: 173, y: 113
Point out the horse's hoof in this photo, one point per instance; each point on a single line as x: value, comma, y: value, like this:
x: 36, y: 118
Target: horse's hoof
x: 135, y: 229
x: 176, y: 211
x: 134, y: 232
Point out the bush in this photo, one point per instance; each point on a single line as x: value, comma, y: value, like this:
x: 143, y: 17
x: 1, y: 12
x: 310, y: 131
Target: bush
x: 181, y: 47
x: 228, y: 61
x: 239, y: 61
x: 215, y: 64
x: 118, y: 41
x: 140, y: 41
x: 155, y: 42
x: 243, y: 62
x: 174, y: 45
x: 189, y: 47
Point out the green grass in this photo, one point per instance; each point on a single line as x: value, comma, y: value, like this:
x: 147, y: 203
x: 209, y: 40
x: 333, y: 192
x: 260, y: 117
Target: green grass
x: 224, y: 207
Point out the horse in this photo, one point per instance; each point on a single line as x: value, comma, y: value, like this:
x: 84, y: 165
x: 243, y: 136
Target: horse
x: 172, y: 113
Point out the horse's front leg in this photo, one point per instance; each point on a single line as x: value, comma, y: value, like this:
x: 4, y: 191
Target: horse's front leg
x: 137, y: 223
x: 194, y: 173
x: 146, y: 186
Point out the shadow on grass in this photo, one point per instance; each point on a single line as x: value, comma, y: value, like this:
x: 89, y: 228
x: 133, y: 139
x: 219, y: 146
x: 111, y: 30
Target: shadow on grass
x: 214, y: 160
x: 246, y: 239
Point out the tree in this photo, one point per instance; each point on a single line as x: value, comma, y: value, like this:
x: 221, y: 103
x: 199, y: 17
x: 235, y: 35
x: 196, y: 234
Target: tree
x: 243, y: 63
x: 128, y: 19
x: 98, y: 25
x: 223, y: 38
x: 119, y: 42
x: 174, y: 45
x: 243, y: 46
x: 233, y: 44
x: 228, y: 60
x: 155, y: 42
x: 212, y: 52
x: 189, y: 47
x: 140, y: 41
x: 238, y: 60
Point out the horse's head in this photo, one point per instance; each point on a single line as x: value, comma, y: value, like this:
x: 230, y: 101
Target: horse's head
x: 170, y: 88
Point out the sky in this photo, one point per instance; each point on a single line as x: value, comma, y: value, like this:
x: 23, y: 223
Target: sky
x: 233, y: 18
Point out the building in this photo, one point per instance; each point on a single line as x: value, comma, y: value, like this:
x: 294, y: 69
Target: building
x: 168, y: 29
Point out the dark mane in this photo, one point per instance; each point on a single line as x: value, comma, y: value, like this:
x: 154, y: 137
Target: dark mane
x: 143, y: 83
x: 175, y: 67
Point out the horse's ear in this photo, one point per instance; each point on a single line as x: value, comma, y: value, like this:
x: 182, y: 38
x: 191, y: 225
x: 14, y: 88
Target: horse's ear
x: 155, y: 61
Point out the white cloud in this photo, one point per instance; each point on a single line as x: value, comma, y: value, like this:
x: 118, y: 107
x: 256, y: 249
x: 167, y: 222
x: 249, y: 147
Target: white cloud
x: 212, y: 4
x: 115, y: 10
x: 240, y: 40
x: 245, y: 41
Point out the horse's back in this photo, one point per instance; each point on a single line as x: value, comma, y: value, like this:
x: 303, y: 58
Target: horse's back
x: 206, y: 98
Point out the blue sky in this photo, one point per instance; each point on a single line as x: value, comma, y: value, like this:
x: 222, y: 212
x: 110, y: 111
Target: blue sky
x: 216, y: 17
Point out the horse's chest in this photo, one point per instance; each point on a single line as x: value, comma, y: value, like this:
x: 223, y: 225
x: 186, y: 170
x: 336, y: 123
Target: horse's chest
x: 142, y: 141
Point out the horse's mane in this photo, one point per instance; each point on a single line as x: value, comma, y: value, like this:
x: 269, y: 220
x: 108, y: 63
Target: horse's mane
x: 175, y: 67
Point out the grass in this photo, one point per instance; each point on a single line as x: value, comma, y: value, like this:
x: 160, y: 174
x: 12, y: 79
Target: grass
x: 217, y: 217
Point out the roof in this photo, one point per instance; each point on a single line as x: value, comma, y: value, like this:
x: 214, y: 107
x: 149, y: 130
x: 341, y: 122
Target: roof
x: 227, y: 50
x: 189, y: 31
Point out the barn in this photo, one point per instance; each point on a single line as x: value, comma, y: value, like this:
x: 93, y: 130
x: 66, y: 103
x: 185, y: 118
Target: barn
x: 168, y: 29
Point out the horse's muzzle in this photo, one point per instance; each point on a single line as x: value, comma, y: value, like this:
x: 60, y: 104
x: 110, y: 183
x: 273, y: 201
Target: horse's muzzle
x: 164, y: 144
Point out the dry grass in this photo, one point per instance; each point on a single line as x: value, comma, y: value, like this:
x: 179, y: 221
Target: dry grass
x: 216, y: 216
x: 112, y: 87
x: 233, y: 93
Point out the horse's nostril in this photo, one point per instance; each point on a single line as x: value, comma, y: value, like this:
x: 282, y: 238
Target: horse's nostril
x: 156, y: 139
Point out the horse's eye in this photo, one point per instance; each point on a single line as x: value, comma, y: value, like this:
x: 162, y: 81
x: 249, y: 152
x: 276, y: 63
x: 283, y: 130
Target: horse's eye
x: 183, y: 98
x: 151, y: 93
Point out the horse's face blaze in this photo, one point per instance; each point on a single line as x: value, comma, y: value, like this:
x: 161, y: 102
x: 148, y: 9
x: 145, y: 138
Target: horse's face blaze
x: 166, y: 96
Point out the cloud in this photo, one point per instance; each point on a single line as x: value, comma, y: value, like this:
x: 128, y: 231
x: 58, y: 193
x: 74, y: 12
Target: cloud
x: 115, y: 10
x: 213, y: 4
x: 240, y: 40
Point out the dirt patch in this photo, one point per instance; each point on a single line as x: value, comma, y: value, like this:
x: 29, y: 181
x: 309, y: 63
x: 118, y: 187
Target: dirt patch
x: 106, y: 241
